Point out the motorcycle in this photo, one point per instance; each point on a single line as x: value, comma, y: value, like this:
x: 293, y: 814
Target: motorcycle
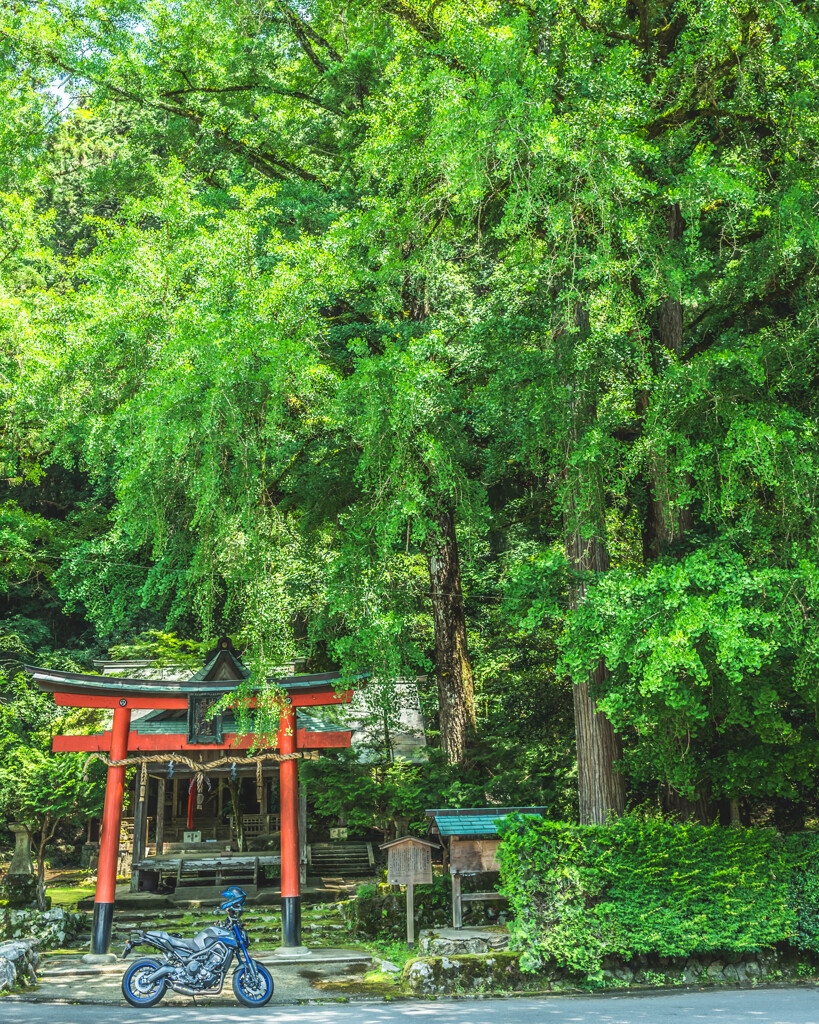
x: 198, y: 966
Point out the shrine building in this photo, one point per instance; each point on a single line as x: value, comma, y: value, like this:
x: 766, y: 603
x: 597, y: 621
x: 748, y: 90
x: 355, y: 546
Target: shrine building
x: 188, y: 757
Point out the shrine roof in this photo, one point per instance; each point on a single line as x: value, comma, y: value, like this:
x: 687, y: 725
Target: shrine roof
x: 222, y: 660
x: 80, y: 682
x: 475, y: 821
x: 316, y: 683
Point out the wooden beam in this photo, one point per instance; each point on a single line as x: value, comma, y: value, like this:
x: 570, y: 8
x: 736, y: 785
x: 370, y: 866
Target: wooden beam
x: 303, y: 700
x: 174, y: 743
x: 138, y: 848
x: 100, y: 700
x: 160, y: 814
x: 321, y: 740
x: 302, y: 834
x: 143, y: 701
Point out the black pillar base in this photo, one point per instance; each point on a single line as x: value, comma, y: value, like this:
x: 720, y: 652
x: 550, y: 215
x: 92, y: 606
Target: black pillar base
x: 101, y: 927
x: 291, y: 921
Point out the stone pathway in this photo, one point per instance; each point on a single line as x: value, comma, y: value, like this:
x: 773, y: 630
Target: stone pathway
x: 65, y: 979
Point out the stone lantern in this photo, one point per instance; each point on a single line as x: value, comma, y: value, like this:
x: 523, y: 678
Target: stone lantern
x: 20, y: 885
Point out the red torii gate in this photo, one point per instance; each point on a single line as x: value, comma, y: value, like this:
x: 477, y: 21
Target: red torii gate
x: 124, y: 695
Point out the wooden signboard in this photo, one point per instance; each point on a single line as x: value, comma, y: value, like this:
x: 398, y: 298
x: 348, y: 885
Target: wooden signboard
x: 474, y: 856
x: 409, y: 863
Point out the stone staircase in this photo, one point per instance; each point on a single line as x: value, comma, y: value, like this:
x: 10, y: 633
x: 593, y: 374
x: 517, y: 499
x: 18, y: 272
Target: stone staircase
x: 322, y: 925
x: 338, y: 860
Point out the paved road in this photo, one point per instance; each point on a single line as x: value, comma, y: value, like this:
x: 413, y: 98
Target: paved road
x: 767, y: 1006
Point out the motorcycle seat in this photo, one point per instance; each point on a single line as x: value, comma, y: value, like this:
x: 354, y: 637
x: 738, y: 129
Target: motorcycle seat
x: 187, y: 944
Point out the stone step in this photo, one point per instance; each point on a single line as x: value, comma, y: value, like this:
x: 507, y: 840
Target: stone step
x: 339, y: 859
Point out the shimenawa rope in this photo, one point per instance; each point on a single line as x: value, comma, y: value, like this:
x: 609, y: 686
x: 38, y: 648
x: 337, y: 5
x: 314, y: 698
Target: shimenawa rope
x: 200, y: 768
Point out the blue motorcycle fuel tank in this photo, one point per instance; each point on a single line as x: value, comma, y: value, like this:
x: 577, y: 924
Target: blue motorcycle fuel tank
x: 214, y: 933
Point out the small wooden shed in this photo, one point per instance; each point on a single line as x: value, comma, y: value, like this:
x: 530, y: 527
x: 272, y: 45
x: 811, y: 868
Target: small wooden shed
x: 471, y: 837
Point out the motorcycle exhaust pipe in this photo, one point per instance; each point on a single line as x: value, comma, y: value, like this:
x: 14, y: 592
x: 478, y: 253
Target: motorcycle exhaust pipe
x: 160, y: 972
x: 183, y: 990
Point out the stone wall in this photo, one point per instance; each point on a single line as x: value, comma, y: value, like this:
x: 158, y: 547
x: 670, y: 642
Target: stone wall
x: 52, y: 929
x: 19, y: 961
x: 500, y: 971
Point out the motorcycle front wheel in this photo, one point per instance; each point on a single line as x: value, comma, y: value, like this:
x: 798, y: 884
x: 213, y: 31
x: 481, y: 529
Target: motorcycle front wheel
x: 136, y: 990
x: 251, y: 993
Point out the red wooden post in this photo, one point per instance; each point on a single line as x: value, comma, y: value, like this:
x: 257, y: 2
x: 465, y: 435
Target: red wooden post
x: 289, y: 794
x: 109, y: 839
x: 191, y: 798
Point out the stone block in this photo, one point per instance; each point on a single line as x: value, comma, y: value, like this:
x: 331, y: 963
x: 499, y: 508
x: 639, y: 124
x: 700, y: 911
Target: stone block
x: 90, y: 856
x: 52, y: 929
x: 18, y: 963
x: 8, y: 975
x: 419, y: 978
x: 20, y: 890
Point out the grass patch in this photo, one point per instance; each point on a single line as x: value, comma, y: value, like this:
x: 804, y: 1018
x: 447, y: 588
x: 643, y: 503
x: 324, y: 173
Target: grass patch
x: 373, y: 983
x: 393, y: 950
x: 68, y: 896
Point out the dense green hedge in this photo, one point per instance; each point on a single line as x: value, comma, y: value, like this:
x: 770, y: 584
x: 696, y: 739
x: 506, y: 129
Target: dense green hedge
x: 652, y: 886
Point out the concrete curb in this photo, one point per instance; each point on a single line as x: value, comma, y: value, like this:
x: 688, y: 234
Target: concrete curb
x: 453, y: 997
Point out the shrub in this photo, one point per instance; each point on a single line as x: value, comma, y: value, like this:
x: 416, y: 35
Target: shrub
x: 652, y: 886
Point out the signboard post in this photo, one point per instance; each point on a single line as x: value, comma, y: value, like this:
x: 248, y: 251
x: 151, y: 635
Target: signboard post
x: 409, y: 863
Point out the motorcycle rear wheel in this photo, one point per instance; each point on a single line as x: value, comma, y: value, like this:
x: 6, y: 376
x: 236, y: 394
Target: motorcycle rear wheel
x: 249, y: 994
x: 146, y: 995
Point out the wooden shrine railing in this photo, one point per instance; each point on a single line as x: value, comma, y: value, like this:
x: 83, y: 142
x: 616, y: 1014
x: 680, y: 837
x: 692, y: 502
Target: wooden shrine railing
x: 257, y: 825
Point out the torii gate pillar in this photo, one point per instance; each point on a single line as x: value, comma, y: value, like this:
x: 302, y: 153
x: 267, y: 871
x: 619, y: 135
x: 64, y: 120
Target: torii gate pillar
x: 109, y: 839
x: 289, y: 795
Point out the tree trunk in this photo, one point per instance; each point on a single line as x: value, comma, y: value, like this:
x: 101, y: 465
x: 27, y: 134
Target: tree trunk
x: 686, y: 809
x: 45, y: 835
x: 601, y: 788
x: 670, y: 313
x: 666, y: 521
x: 41, y: 903
x: 233, y: 786
x: 452, y: 665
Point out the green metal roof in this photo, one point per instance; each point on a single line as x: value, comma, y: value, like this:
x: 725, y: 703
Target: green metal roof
x: 202, y: 675
x: 475, y: 821
x: 476, y: 825
x: 315, y: 682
